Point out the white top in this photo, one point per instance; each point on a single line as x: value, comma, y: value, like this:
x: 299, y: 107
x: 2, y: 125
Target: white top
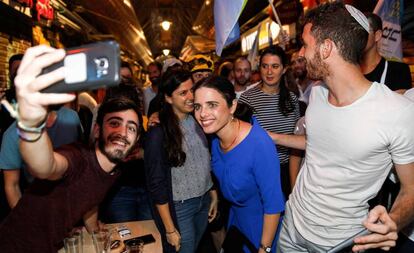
x: 149, y: 94
x: 409, y: 230
x: 349, y: 153
x: 238, y: 93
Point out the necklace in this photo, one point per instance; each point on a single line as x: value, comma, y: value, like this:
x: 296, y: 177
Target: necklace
x: 234, y: 140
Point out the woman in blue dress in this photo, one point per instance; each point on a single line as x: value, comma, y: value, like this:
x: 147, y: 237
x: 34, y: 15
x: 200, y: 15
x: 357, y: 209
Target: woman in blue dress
x: 245, y: 162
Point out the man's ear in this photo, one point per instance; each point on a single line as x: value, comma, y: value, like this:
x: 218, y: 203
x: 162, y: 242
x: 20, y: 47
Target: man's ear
x: 326, y: 48
x: 96, y: 131
x: 378, y: 35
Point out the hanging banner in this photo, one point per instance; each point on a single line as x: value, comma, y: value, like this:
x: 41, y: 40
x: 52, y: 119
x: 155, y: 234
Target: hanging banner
x: 226, y: 14
x: 390, y: 12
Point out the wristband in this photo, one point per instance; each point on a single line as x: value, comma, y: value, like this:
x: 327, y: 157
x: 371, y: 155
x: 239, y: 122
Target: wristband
x: 38, y: 129
x: 23, y: 135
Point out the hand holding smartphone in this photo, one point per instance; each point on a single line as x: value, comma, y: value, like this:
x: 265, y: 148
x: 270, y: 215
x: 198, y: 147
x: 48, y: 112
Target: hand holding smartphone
x: 88, y: 67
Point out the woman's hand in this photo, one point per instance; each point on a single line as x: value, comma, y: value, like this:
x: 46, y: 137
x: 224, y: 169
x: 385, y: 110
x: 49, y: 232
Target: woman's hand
x: 174, y: 238
x: 212, y: 211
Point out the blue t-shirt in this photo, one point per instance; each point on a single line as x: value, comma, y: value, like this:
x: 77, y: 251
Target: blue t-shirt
x: 65, y: 130
x: 249, y: 177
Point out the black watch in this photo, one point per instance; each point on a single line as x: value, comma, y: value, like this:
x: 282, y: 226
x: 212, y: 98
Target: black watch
x: 267, y: 249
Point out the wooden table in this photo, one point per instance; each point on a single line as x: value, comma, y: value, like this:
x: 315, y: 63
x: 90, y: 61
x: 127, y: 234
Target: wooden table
x: 137, y: 228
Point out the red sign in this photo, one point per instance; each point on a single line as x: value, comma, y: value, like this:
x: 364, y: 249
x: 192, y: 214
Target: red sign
x: 43, y: 9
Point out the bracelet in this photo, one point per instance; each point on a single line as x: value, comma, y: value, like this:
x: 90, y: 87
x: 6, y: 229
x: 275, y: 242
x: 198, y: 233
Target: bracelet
x: 38, y: 129
x: 23, y: 135
x: 169, y: 233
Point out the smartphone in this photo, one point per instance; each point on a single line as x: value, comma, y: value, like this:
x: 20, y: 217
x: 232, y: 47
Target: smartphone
x: 145, y: 238
x: 348, y: 242
x: 88, y: 67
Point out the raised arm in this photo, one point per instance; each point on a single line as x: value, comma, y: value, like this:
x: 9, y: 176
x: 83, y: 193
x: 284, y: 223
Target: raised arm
x: 35, y: 145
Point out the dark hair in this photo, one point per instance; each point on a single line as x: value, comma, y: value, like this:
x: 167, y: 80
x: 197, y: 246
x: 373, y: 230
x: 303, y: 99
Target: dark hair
x: 332, y: 21
x: 118, y: 104
x: 169, y: 122
x: 286, y: 104
x: 16, y: 57
x: 129, y: 90
x: 226, y: 89
x: 156, y: 64
x: 225, y: 69
x: 375, y: 22
x: 125, y: 64
x: 11, y: 93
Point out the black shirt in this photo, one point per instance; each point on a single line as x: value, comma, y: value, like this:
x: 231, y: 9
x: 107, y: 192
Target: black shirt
x: 398, y: 75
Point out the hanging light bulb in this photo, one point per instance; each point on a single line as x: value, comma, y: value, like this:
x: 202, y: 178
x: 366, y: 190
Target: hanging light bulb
x: 166, y: 25
x: 166, y: 52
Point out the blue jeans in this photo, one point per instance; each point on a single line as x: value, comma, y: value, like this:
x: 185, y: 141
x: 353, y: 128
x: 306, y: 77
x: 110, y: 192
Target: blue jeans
x: 192, y: 218
x: 128, y: 204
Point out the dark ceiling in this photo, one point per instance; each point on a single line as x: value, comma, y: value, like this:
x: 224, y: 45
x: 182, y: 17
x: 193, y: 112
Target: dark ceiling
x: 181, y: 13
x: 137, y: 25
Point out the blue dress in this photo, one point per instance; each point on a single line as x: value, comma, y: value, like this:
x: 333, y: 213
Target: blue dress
x: 249, y: 177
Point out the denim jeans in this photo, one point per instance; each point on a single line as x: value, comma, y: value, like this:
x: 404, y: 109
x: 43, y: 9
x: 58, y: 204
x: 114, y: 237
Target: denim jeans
x: 192, y: 218
x: 128, y: 204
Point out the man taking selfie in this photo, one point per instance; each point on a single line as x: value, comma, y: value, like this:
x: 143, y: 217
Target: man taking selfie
x: 74, y: 179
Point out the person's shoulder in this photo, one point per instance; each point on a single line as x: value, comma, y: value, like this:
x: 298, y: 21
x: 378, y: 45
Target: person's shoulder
x: 154, y: 134
x: 390, y: 99
x: 397, y: 65
x: 11, y: 132
x: 258, y: 135
x: 67, y: 112
x: 410, y: 94
x: 251, y: 92
x: 74, y: 147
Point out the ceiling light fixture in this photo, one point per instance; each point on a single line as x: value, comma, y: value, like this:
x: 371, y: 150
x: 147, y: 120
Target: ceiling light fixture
x: 166, y: 25
x: 166, y: 52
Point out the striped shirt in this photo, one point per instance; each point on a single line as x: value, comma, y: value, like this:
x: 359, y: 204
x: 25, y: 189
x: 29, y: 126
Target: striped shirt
x: 266, y: 110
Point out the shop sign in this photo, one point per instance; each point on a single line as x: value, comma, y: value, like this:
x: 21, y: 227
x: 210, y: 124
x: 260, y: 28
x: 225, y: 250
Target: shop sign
x: 43, y: 8
x: 248, y: 37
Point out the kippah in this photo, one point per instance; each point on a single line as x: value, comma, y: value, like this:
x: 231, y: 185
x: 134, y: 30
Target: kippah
x: 358, y: 16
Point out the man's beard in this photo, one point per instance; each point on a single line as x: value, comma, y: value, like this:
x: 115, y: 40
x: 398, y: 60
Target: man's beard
x: 300, y: 73
x: 115, y: 156
x: 317, y: 70
x: 242, y: 81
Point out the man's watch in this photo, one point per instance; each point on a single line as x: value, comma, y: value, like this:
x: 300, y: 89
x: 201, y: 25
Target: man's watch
x: 267, y: 249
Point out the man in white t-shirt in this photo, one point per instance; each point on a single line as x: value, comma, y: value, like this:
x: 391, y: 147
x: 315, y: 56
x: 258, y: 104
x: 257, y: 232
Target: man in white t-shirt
x: 355, y: 131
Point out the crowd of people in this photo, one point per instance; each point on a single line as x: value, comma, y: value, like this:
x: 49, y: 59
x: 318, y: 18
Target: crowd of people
x: 298, y: 160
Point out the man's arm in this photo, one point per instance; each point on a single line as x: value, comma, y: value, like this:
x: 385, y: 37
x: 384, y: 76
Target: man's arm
x: 384, y: 226
x: 90, y: 219
x: 289, y: 140
x: 38, y: 154
x: 402, y: 212
x: 12, y: 187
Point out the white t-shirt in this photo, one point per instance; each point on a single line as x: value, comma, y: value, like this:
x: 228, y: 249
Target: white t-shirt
x: 238, y: 93
x: 349, y: 153
x: 409, y: 230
